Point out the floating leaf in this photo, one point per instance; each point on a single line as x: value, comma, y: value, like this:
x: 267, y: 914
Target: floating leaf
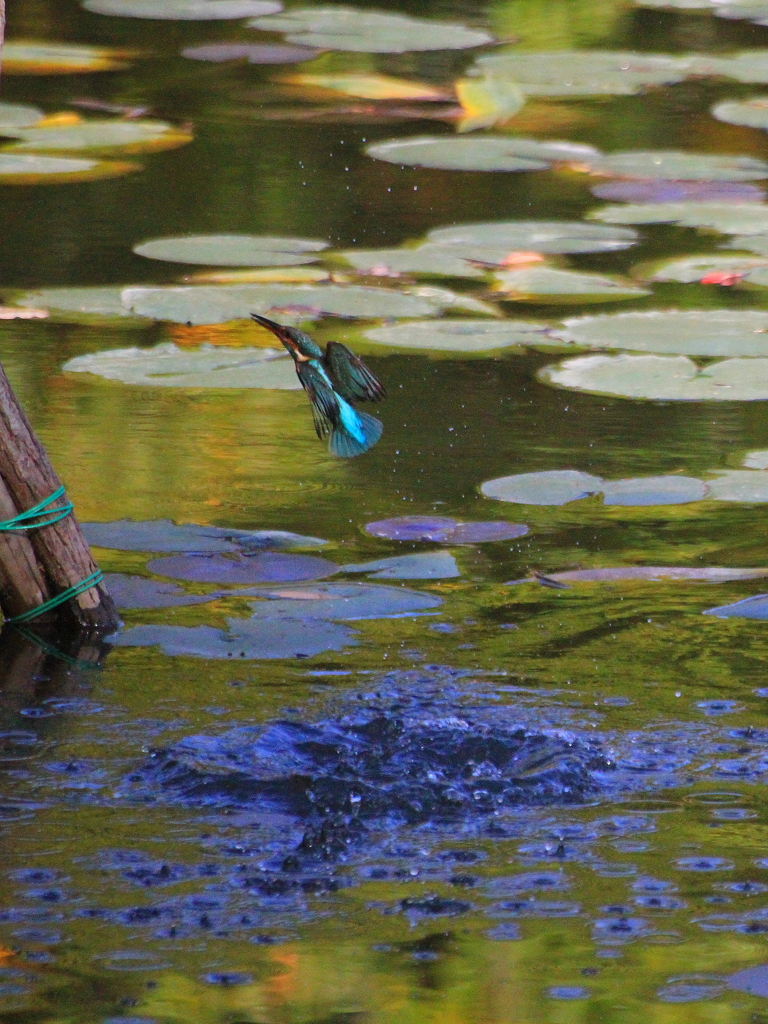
x: 163, y: 535
x: 266, y: 275
x: 500, y: 237
x: 749, y: 485
x: 22, y: 57
x: 486, y: 101
x: 443, y: 298
x: 754, y: 10
x: 749, y: 66
x: 346, y: 28
x: 584, y: 73
x: 756, y: 460
x: 215, y: 304
x: 753, y: 980
x: 679, y: 166
x: 264, y: 567
x: 427, y: 260
x: 460, y: 335
x: 545, y: 284
x: 749, y: 608
x: 37, y: 169
x: 752, y: 243
x: 704, y: 269
x: 230, y: 250
x: 17, y: 115
x: 278, y: 638
x: 664, y: 378
x: 108, y: 136
x: 344, y: 601
x: 167, y: 366
x: 139, y: 592
x: 254, y: 53
x: 713, y: 574
x: 184, y: 10
x: 78, y: 305
x: 728, y: 218
x: 426, y: 565
x: 444, y: 530
x: 653, y: 190
x: 718, y: 332
x: 653, y: 490
x: 551, y: 487
x: 371, y: 87
x: 480, y: 153
x: 753, y: 113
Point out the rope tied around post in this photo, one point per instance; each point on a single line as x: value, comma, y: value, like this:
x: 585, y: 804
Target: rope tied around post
x: 79, y: 588
x: 23, y: 520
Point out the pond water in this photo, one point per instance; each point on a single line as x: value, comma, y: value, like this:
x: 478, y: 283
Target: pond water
x: 342, y: 764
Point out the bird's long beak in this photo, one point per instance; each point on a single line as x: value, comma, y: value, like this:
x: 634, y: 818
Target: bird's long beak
x: 277, y: 329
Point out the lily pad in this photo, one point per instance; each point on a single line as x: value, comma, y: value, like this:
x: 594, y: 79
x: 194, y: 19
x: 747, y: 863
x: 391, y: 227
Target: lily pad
x: 756, y: 460
x: 727, y: 218
x: 425, y: 565
x: 545, y: 284
x: 460, y: 335
x: 444, y: 530
x: 14, y: 116
x: 426, y: 260
x: 749, y: 485
x: 347, y: 28
x: 371, y: 87
x: 231, y: 250
x: 479, y: 153
x: 550, y: 487
x: 660, y: 190
x: 709, y: 270
x: 749, y: 608
x: 167, y: 366
x: 216, y: 304
x: 268, y: 639
x: 714, y: 574
x: 662, y: 378
x: 184, y: 10
x: 138, y: 592
x: 264, y: 567
x: 585, y: 72
x: 678, y: 165
x: 78, y: 305
x: 254, y: 53
x: 720, y: 332
x: 502, y: 237
x: 752, y: 243
x: 753, y: 112
x: 38, y: 169
x: 104, y: 136
x: 750, y: 66
x: 162, y: 535
x: 653, y: 490
x: 344, y: 601
x: 27, y: 57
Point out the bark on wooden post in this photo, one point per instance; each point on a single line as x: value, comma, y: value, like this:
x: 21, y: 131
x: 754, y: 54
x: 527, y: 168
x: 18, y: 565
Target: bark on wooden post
x: 37, y: 565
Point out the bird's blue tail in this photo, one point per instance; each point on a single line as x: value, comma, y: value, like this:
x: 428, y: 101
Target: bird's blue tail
x: 354, y: 434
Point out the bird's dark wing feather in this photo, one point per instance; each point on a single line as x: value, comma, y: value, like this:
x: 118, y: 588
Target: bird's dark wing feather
x: 325, y: 407
x: 350, y: 376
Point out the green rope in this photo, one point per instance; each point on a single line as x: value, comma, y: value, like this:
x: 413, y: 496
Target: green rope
x: 21, y: 521
x: 66, y: 595
x: 46, y: 648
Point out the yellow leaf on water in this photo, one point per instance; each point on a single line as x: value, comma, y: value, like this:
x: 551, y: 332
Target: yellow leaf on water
x: 371, y: 87
x: 27, y: 57
x: 266, y: 275
x: 63, y: 117
x: 487, y: 101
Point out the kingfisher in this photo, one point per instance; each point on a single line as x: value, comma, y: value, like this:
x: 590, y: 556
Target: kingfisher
x: 333, y: 380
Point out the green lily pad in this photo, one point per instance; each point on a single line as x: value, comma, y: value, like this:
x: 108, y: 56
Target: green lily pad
x: 756, y: 460
x: 663, y: 378
x: 167, y: 366
x: 133, y: 136
x: 585, y: 72
x: 545, y: 284
x: 231, y: 250
x: 752, y: 243
x: 460, y: 335
x: 78, y: 305
x: 727, y: 218
x: 30, y: 57
x: 184, y: 10
x: 14, y: 116
x: 750, y: 485
x: 753, y: 113
x: 426, y: 260
x: 479, y: 153
x: 217, y: 304
x: 443, y: 298
x: 653, y: 490
x: 38, y: 169
x: 694, y: 268
x: 720, y: 332
x: 424, y: 565
x: 551, y: 487
x: 347, y: 28
x: 751, y: 66
x: 752, y: 10
x: 679, y: 166
x: 498, y: 238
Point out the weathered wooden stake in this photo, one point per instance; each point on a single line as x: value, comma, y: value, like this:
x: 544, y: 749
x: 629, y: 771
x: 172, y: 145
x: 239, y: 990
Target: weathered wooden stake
x: 41, y: 563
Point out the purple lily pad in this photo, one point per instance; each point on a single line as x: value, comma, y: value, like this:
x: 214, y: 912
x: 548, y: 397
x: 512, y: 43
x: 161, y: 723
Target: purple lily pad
x: 750, y: 608
x: 646, y: 190
x: 753, y: 980
x: 265, y: 567
x: 139, y: 592
x: 254, y: 53
x: 710, y: 574
x: 443, y: 530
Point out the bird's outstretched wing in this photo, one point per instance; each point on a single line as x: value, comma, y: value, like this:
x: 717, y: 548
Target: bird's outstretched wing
x: 350, y: 376
x: 325, y: 405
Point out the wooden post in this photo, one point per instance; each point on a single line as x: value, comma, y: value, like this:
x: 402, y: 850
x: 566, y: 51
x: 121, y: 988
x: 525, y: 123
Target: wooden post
x: 38, y: 564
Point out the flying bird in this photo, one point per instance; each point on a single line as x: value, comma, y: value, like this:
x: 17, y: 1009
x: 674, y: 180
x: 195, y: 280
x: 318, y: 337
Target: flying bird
x: 333, y: 380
